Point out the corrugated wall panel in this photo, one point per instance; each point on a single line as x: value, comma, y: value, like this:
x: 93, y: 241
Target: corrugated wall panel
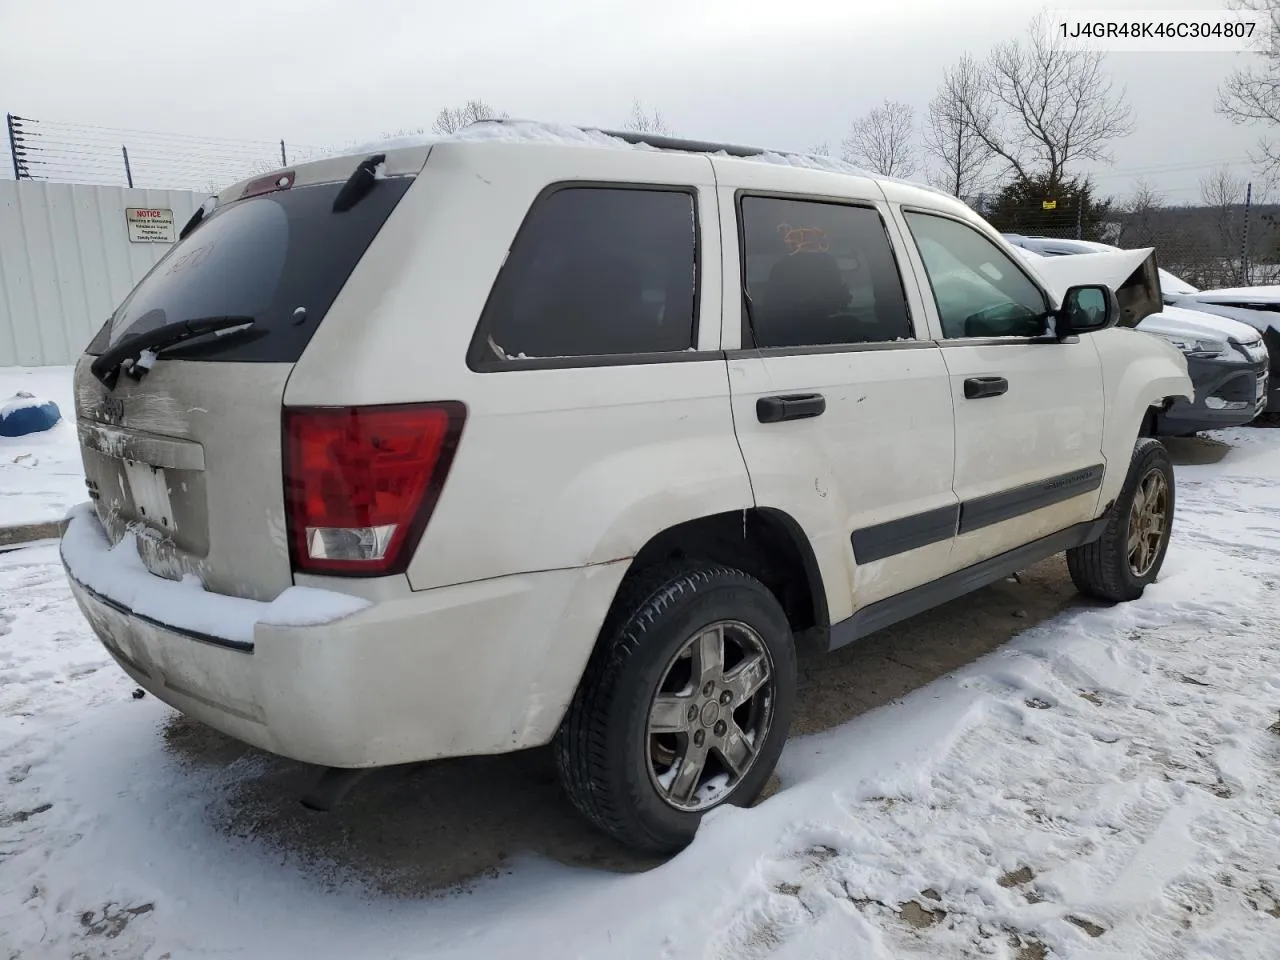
x: 66, y: 263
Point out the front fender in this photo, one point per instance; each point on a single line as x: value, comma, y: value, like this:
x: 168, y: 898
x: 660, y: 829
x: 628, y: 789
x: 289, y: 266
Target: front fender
x: 1139, y: 371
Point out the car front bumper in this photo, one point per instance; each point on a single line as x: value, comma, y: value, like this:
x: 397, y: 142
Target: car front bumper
x: 476, y: 668
x: 1229, y: 393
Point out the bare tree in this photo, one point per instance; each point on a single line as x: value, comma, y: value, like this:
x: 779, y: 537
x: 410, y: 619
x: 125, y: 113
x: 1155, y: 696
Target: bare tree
x: 642, y: 121
x: 884, y: 140
x: 452, y: 119
x: 1141, y: 226
x: 822, y: 149
x: 963, y: 157
x: 1220, y: 188
x: 1223, y: 193
x: 1251, y: 94
x: 1049, y: 107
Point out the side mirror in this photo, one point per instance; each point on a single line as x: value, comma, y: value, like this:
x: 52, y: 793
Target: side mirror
x: 1086, y: 308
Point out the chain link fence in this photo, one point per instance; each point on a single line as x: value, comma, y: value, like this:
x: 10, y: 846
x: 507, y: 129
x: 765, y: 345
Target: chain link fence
x: 1208, y: 245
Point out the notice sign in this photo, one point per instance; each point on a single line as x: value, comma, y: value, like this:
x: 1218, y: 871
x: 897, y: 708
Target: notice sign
x: 149, y: 224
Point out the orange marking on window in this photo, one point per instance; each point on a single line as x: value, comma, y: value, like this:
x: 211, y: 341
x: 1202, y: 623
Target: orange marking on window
x: 804, y: 239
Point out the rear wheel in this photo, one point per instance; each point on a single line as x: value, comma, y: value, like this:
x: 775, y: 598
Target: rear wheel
x: 684, y: 707
x: 1128, y: 556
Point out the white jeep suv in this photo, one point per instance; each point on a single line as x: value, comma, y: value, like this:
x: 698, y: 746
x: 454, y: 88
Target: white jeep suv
x: 537, y: 435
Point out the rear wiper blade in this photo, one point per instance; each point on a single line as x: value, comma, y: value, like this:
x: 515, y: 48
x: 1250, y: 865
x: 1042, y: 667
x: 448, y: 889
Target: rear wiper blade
x: 128, y: 352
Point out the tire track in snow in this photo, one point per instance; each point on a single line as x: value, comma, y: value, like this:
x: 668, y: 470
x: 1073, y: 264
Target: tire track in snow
x: 1139, y: 818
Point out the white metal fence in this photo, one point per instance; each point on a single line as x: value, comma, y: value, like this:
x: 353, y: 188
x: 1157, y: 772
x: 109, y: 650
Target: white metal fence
x: 69, y: 253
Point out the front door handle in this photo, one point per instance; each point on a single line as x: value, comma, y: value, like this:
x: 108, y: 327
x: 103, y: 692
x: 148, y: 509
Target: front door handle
x: 975, y: 388
x: 792, y: 406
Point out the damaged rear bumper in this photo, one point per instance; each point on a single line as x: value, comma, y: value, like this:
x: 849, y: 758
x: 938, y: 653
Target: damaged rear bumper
x: 485, y: 667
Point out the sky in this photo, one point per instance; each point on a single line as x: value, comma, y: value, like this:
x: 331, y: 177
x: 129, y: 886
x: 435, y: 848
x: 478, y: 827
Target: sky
x: 781, y: 75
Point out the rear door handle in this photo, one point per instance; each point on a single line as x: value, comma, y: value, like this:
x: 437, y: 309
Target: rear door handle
x: 975, y: 388
x: 792, y: 406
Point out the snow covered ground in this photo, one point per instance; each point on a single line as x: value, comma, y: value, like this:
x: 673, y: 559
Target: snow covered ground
x: 1107, y: 784
x: 40, y: 475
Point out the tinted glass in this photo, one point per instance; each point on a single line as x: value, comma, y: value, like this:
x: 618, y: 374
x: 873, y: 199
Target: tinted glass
x: 819, y: 273
x: 980, y: 292
x: 264, y: 257
x: 596, y: 271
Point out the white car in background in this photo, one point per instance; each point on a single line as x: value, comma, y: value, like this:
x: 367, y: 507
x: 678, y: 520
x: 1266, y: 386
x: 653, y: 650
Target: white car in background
x: 1228, y: 360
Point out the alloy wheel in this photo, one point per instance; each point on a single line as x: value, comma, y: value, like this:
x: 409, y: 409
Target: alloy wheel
x: 1148, y: 522
x: 710, y: 715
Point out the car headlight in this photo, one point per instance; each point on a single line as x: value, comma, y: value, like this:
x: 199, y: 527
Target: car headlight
x: 1202, y: 349
x: 1255, y: 350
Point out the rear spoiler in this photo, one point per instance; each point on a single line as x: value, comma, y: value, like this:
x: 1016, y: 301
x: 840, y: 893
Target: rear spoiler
x: 398, y: 162
x: 1132, y: 274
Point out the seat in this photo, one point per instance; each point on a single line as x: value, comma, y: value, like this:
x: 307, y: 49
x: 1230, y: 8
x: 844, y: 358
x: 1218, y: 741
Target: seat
x: 805, y: 291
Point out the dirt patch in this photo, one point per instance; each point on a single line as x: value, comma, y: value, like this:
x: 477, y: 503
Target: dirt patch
x: 920, y: 917
x: 1195, y: 451
x: 1088, y: 926
x: 888, y: 665
x: 111, y: 920
x: 1091, y: 696
x: 1028, y: 948
x: 1016, y: 878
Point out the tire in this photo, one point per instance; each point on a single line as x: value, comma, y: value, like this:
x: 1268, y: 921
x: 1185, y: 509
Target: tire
x: 1104, y: 569
x: 612, y: 764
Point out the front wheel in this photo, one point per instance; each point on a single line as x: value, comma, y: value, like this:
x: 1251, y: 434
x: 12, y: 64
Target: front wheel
x: 684, y: 707
x: 1118, y: 565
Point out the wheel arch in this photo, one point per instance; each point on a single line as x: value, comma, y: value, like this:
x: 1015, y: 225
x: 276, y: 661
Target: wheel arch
x: 765, y: 542
x: 1140, y: 373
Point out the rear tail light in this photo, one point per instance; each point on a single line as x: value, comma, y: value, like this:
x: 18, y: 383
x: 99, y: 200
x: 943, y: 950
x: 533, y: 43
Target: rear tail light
x: 360, y: 483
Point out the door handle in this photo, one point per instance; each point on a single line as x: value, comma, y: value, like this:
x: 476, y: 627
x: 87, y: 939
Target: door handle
x: 792, y: 406
x: 975, y: 388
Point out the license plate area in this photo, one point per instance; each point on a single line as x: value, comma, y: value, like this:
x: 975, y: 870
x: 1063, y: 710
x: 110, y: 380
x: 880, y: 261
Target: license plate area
x: 150, y: 492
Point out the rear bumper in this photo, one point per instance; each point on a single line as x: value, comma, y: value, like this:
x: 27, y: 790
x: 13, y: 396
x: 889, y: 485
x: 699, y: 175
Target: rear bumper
x: 478, y: 668
x: 1228, y: 393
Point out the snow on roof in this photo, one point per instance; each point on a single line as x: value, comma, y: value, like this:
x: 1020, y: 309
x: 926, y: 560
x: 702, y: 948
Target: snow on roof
x: 529, y: 131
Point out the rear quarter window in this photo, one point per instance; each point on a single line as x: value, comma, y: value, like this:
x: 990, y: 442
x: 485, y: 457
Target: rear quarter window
x: 595, y: 271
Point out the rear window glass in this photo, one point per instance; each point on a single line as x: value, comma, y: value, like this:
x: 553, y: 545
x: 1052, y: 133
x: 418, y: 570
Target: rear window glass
x: 280, y: 258
x: 595, y: 271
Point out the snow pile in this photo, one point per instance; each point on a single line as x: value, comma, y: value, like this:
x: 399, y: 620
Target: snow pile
x: 563, y: 134
x: 25, y: 414
x: 118, y: 574
x: 41, y: 474
x: 22, y: 400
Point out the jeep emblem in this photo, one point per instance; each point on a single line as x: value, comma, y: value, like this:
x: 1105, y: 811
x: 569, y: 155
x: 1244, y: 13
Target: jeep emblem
x: 111, y: 409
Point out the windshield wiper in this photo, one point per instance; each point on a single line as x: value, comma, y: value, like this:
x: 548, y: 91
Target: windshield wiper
x: 128, y: 353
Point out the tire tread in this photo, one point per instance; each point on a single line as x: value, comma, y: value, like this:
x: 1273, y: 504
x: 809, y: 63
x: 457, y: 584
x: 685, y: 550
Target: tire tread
x: 581, y: 746
x: 1095, y: 567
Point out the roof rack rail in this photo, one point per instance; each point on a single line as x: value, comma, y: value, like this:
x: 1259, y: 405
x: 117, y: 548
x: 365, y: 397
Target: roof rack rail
x: 656, y: 140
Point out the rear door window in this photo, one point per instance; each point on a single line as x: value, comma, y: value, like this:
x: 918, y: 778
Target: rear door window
x: 280, y: 258
x: 595, y: 272
x: 819, y: 274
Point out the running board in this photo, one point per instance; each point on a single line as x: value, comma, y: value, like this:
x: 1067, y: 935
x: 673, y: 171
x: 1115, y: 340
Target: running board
x: 891, y: 610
